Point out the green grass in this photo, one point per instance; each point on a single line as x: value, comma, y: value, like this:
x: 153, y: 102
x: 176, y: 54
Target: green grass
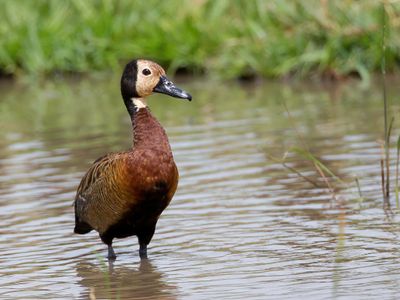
x: 224, y: 38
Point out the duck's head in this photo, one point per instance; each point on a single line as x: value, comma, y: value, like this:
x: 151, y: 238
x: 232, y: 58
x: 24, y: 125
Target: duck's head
x: 141, y: 78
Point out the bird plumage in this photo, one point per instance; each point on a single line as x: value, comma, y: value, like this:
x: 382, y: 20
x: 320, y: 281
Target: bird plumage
x: 123, y: 194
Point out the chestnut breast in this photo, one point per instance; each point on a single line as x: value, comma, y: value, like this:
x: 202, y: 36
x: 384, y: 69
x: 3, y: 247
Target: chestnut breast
x: 153, y: 179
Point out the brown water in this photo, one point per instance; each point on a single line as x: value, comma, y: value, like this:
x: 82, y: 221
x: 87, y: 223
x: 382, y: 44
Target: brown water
x: 240, y: 225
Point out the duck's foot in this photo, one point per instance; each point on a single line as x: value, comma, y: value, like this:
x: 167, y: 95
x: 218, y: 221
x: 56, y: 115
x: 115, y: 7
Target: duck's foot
x: 111, y: 254
x: 143, y: 251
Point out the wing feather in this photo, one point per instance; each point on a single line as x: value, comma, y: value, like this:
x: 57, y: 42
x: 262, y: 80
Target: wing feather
x: 100, y: 191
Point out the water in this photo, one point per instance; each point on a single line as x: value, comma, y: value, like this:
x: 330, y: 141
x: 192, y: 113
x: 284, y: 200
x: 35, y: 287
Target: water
x: 240, y: 225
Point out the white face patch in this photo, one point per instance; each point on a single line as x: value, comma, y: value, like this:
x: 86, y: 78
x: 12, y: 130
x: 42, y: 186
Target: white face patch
x: 147, y: 77
x: 139, y: 103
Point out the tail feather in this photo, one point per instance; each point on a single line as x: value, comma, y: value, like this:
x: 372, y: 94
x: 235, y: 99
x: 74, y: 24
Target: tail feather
x: 82, y: 227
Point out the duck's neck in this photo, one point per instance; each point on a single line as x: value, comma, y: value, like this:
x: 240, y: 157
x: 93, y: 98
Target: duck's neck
x: 147, y: 131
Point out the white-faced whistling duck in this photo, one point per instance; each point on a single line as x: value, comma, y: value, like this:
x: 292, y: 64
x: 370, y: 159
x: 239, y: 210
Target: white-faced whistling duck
x: 124, y: 194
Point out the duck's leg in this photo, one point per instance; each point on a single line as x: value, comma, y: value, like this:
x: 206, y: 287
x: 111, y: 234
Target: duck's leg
x: 143, y: 251
x: 144, y: 237
x: 107, y: 239
x: 111, y: 254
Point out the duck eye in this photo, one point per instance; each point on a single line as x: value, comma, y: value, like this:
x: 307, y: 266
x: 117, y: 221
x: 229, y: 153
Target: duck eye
x: 146, y: 72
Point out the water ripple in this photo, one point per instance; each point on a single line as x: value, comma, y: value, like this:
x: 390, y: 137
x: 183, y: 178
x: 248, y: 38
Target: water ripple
x: 240, y: 225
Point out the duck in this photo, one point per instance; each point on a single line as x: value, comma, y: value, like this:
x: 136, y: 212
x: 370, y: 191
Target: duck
x: 123, y: 194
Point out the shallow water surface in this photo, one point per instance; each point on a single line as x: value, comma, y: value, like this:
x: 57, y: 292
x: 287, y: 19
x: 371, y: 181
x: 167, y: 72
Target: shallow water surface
x: 240, y: 225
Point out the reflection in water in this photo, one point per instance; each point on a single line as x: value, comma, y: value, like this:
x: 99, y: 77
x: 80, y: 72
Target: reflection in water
x: 240, y: 226
x: 123, y: 282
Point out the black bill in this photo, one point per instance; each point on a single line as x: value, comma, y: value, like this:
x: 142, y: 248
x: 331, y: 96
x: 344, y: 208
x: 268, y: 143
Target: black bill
x: 165, y: 86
